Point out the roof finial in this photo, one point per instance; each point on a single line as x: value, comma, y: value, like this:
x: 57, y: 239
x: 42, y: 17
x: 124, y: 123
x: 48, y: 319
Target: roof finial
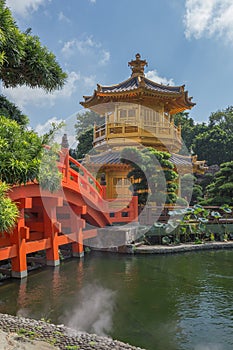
x: 65, y: 143
x: 137, y: 66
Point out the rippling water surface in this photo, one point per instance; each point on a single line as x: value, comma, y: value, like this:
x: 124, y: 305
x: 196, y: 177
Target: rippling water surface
x: 174, y: 302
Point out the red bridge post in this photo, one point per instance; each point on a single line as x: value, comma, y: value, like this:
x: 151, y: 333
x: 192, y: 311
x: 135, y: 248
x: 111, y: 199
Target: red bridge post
x: 19, y: 236
x: 51, y: 229
x: 77, y: 224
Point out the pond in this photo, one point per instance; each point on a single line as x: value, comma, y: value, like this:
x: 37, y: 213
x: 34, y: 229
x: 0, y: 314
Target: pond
x: 171, y: 302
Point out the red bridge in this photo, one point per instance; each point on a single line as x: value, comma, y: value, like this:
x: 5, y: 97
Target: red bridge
x: 50, y: 220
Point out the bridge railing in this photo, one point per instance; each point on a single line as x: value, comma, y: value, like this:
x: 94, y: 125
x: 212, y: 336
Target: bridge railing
x: 83, y: 176
x: 76, y: 176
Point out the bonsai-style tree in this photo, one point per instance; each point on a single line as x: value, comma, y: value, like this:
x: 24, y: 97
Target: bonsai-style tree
x: 152, y: 174
x: 220, y: 191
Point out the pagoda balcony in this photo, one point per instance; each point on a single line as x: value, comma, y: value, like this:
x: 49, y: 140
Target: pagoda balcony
x: 163, y: 136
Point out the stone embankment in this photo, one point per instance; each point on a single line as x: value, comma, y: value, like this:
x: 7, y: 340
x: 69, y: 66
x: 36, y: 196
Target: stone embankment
x: 28, y: 334
x: 181, y: 248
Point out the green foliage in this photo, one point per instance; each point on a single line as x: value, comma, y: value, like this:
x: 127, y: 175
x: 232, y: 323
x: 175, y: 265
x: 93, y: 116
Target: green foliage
x: 182, y: 202
x: 190, y: 189
x: 23, y: 60
x: 85, y: 140
x: 23, y: 157
x: 222, y: 118
x: 86, y: 120
x: 209, y: 141
x: 48, y: 137
x: 84, y: 132
x: 152, y: 173
x: 19, y: 153
x: 11, y: 111
x: 48, y: 176
x: 189, y: 131
x: 8, y: 210
x: 220, y: 191
x: 226, y: 208
x: 218, y: 149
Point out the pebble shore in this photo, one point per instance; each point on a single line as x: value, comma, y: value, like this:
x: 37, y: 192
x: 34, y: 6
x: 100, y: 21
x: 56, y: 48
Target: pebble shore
x: 58, y: 336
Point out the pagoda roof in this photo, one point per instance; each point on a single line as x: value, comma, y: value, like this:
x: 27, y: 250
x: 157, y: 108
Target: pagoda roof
x: 114, y: 157
x: 139, y: 89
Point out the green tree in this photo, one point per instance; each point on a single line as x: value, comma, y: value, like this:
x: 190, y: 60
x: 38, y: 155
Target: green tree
x: 23, y: 157
x: 223, y: 118
x: 220, y: 191
x: 191, y: 189
x: 152, y: 173
x: 189, y: 130
x: 11, y: 111
x: 84, y: 132
x: 8, y: 210
x: 86, y: 120
x: 214, y: 145
x: 23, y: 60
x: 85, y: 140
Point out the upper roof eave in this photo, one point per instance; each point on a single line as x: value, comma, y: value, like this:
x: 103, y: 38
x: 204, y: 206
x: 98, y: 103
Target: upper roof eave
x: 98, y: 96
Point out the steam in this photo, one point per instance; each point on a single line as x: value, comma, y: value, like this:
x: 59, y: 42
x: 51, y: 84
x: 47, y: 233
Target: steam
x: 94, y: 310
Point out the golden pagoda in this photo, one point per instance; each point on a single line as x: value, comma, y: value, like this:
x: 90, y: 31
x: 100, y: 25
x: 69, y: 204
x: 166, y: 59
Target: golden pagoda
x: 137, y: 111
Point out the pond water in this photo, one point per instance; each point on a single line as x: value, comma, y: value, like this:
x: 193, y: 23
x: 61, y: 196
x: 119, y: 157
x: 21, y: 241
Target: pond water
x: 171, y: 302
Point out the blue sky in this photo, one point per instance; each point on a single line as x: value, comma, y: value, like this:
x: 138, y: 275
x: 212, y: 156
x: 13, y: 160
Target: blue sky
x: 184, y: 41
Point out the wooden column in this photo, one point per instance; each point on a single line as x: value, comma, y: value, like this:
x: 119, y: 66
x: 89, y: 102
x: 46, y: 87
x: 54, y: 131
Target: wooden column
x: 103, y: 185
x: 51, y: 229
x: 18, y: 237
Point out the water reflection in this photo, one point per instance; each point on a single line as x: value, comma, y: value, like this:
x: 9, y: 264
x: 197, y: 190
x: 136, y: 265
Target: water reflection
x: 157, y: 302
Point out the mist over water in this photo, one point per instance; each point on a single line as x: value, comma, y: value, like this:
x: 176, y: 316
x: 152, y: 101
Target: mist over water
x: 93, y: 311
x: 173, y: 302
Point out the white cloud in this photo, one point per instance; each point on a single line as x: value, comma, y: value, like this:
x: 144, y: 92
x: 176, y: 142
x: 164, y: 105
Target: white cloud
x: 86, y: 47
x: 83, y: 46
x: 90, y: 81
x: 41, y: 129
x: 68, y: 48
x: 24, y: 95
x: 93, y: 1
x: 63, y: 18
x: 153, y: 75
x: 67, y: 128
x: 24, y: 7
x: 209, y: 18
x: 105, y: 57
